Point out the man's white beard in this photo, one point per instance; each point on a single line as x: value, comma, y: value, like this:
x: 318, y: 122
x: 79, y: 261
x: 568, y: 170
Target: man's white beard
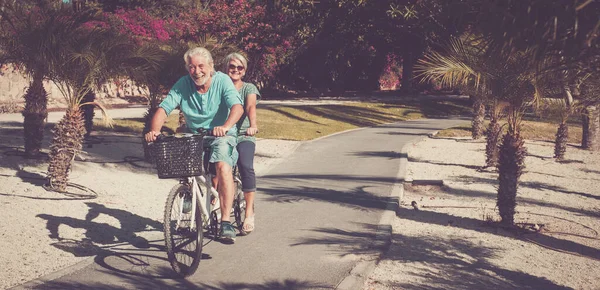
x: 201, y: 80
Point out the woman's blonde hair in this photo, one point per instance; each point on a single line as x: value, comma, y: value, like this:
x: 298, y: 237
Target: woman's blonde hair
x: 234, y: 55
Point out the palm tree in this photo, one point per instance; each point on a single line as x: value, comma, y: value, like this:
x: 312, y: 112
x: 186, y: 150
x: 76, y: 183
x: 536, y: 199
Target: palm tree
x: 477, y: 124
x: 463, y: 65
x: 513, y: 83
x: 591, y: 128
x: 93, y: 56
x: 506, y: 77
x: 590, y: 99
x: 31, y: 38
x: 494, y: 132
x: 511, y: 163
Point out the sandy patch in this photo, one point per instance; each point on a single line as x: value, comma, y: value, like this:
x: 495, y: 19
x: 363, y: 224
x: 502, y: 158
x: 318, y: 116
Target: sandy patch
x: 447, y: 245
x: 116, y: 200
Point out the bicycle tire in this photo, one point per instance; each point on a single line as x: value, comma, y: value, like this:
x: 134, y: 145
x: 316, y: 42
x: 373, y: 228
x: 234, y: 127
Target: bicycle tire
x: 214, y: 225
x: 184, y: 246
x: 239, y: 206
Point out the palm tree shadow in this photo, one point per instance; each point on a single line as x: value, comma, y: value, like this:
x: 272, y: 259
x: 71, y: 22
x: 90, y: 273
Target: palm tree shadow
x: 545, y: 186
x: 416, y: 160
x: 533, y: 185
x: 32, y: 178
x: 464, y: 265
x: 569, y: 161
x: 444, y: 219
x: 384, y: 154
x: 365, y: 242
x: 358, y: 199
x: 590, y: 171
x: 290, y: 115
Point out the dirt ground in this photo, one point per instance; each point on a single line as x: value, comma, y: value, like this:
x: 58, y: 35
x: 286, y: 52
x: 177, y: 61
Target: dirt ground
x: 452, y: 241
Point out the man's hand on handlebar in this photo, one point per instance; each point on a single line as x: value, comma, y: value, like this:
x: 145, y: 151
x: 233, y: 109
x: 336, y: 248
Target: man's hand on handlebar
x: 151, y: 136
x: 219, y: 131
x: 251, y: 131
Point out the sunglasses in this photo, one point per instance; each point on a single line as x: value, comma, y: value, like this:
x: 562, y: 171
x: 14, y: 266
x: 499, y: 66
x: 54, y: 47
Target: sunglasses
x: 239, y: 67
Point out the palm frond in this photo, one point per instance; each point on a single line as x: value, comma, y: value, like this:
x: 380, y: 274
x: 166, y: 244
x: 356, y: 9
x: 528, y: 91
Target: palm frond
x: 448, y: 70
x: 106, y: 119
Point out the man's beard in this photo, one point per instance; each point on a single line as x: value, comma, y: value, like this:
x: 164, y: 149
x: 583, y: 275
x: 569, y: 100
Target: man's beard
x: 200, y: 80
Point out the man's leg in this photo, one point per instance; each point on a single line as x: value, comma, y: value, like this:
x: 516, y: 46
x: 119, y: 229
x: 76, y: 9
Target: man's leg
x: 223, y: 156
x: 225, y: 189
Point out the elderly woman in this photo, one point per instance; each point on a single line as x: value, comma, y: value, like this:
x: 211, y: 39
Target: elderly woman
x: 235, y: 66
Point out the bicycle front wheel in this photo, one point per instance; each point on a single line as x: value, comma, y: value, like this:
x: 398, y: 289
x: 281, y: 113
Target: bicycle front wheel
x: 183, y: 242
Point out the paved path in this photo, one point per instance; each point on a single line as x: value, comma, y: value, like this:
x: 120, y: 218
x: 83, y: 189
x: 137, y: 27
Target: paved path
x: 317, y: 218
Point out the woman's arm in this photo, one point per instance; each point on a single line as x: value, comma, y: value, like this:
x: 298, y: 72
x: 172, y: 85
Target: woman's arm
x: 251, y: 112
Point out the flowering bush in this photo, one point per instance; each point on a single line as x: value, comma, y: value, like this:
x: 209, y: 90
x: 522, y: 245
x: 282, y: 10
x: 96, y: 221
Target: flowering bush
x: 242, y: 25
x: 138, y: 24
x: 392, y: 73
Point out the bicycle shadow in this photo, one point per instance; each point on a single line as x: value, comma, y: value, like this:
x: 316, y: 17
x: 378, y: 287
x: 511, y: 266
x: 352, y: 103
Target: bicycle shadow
x: 125, y: 249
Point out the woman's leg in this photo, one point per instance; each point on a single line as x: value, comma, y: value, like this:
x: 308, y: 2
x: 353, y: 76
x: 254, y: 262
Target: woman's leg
x: 246, y: 167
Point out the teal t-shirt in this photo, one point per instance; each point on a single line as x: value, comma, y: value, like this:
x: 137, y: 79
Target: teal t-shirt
x: 245, y: 90
x: 207, y: 110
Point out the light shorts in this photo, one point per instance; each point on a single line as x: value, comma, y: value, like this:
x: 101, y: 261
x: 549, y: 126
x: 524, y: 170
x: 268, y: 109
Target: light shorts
x: 223, y: 149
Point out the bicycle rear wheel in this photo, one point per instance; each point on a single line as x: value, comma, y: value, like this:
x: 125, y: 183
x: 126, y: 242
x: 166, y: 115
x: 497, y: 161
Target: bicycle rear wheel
x: 239, y: 204
x: 184, y: 244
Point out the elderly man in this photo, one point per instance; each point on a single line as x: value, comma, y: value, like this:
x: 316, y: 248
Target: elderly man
x: 208, y: 100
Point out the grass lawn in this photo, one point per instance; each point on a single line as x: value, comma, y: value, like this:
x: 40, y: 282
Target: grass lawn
x: 306, y: 122
x: 531, y: 130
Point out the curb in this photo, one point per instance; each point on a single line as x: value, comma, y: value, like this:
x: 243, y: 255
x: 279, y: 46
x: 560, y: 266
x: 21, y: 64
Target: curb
x: 383, y: 238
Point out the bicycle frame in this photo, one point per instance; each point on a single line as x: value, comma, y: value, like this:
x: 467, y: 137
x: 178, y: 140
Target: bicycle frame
x: 198, y: 196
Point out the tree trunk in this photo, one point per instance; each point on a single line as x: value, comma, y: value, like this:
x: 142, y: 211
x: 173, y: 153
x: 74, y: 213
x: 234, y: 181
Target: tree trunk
x: 591, y: 129
x: 511, y: 163
x: 491, y: 147
x: 67, y: 141
x: 148, y: 119
x: 407, y: 71
x: 477, y: 126
x: 560, y: 143
x: 34, y: 116
x: 88, y: 113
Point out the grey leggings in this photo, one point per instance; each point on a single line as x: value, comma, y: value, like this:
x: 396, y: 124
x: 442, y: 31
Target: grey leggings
x: 246, y: 165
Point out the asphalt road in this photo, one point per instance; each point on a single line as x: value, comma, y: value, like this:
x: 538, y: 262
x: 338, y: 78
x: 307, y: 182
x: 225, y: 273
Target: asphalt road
x: 317, y: 218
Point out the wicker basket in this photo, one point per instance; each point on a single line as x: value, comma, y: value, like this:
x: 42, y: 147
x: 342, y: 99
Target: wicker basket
x: 178, y: 157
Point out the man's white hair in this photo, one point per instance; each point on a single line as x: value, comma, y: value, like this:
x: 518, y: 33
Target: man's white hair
x: 201, y: 51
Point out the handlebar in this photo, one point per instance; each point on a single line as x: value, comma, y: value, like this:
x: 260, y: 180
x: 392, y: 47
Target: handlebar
x: 207, y: 132
x: 200, y: 132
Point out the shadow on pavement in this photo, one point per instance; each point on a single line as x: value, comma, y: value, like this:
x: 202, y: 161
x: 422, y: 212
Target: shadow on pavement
x: 356, y: 199
x: 527, y: 184
x: 454, y: 263
x: 384, y: 154
x: 444, y: 219
x: 348, y: 242
x: 107, y: 241
x: 145, y: 283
